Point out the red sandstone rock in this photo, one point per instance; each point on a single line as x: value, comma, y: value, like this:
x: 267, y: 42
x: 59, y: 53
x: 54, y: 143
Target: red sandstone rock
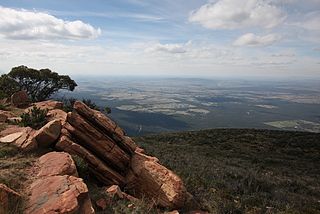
x: 104, y: 123
x: 114, y: 191
x: 98, y: 142
x: 4, y: 115
x: 20, y: 99
x: 57, y: 163
x: 102, y: 203
x: 104, y: 173
x: 48, y: 134
x: 6, y: 195
x: 22, y: 139
x: 153, y: 180
x: 49, y: 105
x: 59, y: 194
x: 57, y: 114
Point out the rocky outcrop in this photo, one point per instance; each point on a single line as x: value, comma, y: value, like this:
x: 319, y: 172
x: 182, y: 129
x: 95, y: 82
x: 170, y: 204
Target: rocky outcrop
x: 48, y: 105
x: 115, y: 159
x: 7, y: 195
x: 59, y: 194
x: 22, y: 137
x: 20, y: 99
x: 4, y: 115
x: 57, y: 163
x: 56, y: 189
x: 48, y: 134
x: 151, y: 179
x: 57, y: 114
x: 27, y: 139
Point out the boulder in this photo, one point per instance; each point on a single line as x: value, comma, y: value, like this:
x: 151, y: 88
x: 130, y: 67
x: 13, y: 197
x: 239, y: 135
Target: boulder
x: 11, y: 138
x: 20, y: 99
x: 59, y: 194
x: 23, y: 138
x: 14, y: 120
x: 57, y: 114
x: 4, y: 115
x: 10, y: 129
x: 7, y: 195
x: 48, y: 104
x: 48, y: 134
x: 155, y: 181
x: 57, y: 163
x: 114, y: 191
x: 27, y: 142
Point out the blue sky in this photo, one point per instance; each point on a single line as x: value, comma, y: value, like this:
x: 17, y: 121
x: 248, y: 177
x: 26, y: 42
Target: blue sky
x: 276, y: 38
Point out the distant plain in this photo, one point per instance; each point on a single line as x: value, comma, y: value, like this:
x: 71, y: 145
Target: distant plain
x: 153, y: 105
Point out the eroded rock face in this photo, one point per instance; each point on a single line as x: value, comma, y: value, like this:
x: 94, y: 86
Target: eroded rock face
x: 57, y: 163
x: 6, y: 195
x: 48, y: 105
x: 20, y: 99
x: 59, y: 194
x: 57, y: 114
x: 150, y: 178
x: 57, y: 189
x: 48, y: 134
x: 4, y: 115
x: 115, y: 159
x: 22, y: 137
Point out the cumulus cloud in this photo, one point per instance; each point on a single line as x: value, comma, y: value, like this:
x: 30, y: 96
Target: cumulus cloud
x: 233, y: 14
x: 251, y: 39
x: 28, y: 25
x: 167, y: 48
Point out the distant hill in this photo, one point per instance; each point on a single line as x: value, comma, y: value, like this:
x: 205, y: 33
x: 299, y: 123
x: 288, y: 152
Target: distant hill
x: 244, y: 170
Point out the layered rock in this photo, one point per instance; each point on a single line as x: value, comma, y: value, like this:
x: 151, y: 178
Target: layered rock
x: 22, y: 137
x: 27, y: 139
x: 7, y: 195
x: 115, y: 159
x: 56, y: 189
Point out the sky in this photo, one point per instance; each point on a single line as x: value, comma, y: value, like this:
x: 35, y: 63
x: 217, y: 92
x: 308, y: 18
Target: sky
x: 199, y: 38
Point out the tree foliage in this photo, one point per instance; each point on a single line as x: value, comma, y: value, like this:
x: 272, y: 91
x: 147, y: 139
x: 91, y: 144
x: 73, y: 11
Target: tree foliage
x: 8, y: 86
x: 39, y: 84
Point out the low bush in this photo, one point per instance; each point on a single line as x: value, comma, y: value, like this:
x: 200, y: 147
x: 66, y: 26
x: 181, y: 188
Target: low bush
x: 34, y: 118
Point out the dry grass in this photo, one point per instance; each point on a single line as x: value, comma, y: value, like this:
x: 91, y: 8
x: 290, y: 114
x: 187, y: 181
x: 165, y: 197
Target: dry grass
x: 14, y: 172
x: 244, y: 171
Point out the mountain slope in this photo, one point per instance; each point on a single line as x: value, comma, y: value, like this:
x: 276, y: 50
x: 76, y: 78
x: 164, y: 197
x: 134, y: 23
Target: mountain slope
x: 244, y: 170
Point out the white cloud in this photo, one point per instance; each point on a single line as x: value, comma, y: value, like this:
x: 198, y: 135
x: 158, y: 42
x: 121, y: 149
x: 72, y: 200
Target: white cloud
x: 28, y: 25
x: 311, y: 21
x: 167, y: 48
x: 233, y: 14
x: 251, y: 39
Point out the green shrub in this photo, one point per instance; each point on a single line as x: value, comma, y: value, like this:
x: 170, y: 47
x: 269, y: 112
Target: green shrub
x: 35, y: 118
x: 91, y: 104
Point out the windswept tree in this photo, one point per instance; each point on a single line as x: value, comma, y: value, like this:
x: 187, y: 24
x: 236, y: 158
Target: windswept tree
x: 39, y: 84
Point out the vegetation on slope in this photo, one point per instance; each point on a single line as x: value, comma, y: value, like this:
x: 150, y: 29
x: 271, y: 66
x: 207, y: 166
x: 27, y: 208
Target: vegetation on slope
x: 244, y: 171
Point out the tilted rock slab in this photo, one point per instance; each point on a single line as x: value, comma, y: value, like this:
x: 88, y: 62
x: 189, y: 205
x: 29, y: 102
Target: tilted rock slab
x: 6, y: 195
x: 112, y: 157
x: 57, y: 190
